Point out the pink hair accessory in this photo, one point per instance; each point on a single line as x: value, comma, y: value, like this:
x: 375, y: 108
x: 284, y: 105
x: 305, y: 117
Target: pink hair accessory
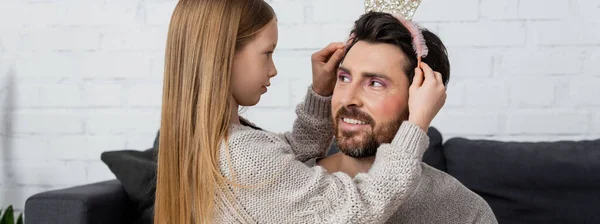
x: 403, y: 10
x: 418, y: 41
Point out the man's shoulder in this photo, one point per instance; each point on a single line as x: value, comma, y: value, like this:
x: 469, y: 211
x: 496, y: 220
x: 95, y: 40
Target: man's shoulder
x: 441, y: 198
x: 446, y: 187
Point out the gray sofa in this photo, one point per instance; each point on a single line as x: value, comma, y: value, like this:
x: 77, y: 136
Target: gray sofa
x: 544, y: 182
x: 103, y: 202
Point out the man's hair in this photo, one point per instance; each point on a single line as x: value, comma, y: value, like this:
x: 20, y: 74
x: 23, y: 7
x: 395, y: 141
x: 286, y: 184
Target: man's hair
x: 377, y: 27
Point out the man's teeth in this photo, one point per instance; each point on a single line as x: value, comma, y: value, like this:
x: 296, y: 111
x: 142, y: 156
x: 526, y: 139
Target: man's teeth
x: 352, y: 121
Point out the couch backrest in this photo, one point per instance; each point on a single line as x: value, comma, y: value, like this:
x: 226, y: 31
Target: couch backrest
x: 546, y: 182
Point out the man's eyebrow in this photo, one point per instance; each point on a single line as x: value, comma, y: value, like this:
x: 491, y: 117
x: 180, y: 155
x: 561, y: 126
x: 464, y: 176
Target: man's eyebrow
x: 344, y: 69
x: 374, y: 75
x: 366, y: 74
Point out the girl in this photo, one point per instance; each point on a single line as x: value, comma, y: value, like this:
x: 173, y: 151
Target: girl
x: 216, y: 167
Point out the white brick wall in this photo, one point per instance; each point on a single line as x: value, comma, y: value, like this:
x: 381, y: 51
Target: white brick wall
x: 80, y: 78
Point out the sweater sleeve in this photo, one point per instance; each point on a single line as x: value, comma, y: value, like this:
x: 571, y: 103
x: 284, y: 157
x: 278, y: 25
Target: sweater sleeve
x: 486, y: 215
x: 312, y: 133
x: 291, y: 192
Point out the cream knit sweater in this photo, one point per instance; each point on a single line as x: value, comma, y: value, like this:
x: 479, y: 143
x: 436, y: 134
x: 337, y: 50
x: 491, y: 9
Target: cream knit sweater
x: 440, y: 198
x: 286, y: 190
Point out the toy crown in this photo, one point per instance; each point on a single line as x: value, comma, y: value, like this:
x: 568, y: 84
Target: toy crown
x: 404, y: 8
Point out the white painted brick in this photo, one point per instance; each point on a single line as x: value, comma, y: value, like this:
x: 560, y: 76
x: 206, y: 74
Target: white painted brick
x: 467, y: 122
x: 571, y: 32
x: 486, y: 93
x: 591, y: 63
x: 10, y: 40
x: 299, y: 88
x: 61, y: 39
x: 294, y: 64
x: 312, y: 36
x: 95, y: 65
x: 499, y: 10
x: 154, y: 38
x: 563, y: 93
x: 483, y: 34
x: 44, y: 94
x: 6, y: 68
x: 147, y: 94
x: 65, y: 94
x: 455, y: 94
x: 288, y: 12
x: 532, y: 92
x: 20, y: 96
x: 587, y: 10
x: 97, y: 172
x: 121, y: 1
x: 278, y: 94
x: 470, y: 62
x: 542, y: 61
x: 540, y: 9
x: 431, y: 26
x: 159, y: 13
x: 23, y: 172
x: 17, y: 15
x: 120, y: 122
x: 97, y: 94
x: 595, y: 125
x: 119, y: 65
x: 70, y: 13
x: 48, y: 122
x: 17, y: 196
x: 158, y: 65
x: 142, y: 141
x: 296, y: 67
x: 438, y: 11
x: 8, y: 12
x: 49, y: 64
x: 83, y: 147
x: 547, y: 122
x: 585, y: 91
x: 62, y: 147
x: 337, y: 11
x: 96, y: 13
x: 280, y: 120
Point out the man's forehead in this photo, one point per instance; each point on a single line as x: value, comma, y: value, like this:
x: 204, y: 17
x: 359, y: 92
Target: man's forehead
x: 375, y: 58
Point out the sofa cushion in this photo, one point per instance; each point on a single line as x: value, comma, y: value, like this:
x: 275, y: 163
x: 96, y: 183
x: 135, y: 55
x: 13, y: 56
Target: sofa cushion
x: 434, y: 155
x: 136, y: 170
x: 545, y: 182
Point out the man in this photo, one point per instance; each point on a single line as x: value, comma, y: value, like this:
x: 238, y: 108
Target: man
x: 370, y: 102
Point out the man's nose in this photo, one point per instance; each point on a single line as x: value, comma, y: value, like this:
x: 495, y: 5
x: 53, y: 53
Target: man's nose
x: 351, y: 96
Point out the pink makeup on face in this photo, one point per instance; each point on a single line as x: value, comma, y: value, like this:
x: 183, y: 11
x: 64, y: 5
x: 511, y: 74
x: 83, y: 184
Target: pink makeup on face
x: 342, y: 75
x: 382, y: 82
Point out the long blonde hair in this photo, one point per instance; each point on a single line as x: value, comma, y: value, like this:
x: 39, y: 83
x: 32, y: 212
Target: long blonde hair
x: 202, y: 40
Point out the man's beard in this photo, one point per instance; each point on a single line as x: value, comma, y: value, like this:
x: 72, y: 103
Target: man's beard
x: 364, y: 143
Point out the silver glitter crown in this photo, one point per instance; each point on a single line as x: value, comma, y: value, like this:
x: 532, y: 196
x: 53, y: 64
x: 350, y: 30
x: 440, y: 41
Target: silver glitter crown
x: 405, y: 8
